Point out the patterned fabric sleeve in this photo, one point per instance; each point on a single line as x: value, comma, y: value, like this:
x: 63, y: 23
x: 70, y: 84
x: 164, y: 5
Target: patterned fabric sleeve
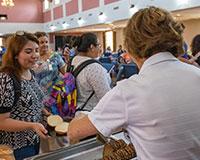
x: 6, y: 93
x: 99, y: 79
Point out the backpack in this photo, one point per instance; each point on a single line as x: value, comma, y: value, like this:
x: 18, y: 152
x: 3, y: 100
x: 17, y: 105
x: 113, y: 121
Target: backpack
x: 63, y: 95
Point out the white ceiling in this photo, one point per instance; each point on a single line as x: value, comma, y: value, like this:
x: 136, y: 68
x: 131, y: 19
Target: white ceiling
x: 97, y: 28
x: 181, y: 15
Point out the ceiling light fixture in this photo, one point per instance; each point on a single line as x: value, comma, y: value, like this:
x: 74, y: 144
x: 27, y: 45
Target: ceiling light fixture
x: 133, y: 9
x: 80, y: 21
x: 3, y: 17
x: 102, y: 17
x: 65, y: 25
x: 52, y: 28
x: 178, y: 15
x: 7, y: 3
x: 132, y: 6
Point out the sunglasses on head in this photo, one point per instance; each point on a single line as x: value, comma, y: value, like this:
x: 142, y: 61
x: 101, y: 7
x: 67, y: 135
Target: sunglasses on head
x: 19, y: 33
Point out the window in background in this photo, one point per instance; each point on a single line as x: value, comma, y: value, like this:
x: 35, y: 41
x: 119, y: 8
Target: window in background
x: 57, y: 1
x: 46, y: 4
x: 109, y: 39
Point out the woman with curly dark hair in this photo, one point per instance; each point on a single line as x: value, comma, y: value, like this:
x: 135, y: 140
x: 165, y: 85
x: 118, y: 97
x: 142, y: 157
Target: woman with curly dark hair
x: 155, y: 106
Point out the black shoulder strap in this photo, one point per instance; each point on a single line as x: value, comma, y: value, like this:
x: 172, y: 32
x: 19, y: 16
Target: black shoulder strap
x: 83, y: 65
x: 83, y: 106
x: 77, y: 71
x: 17, y: 88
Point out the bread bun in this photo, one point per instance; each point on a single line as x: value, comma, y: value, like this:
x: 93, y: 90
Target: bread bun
x: 54, y: 120
x: 62, y: 128
x: 118, y: 150
x: 6, y: 152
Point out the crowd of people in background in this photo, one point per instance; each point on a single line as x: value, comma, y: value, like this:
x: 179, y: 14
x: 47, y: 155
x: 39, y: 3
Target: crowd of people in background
x: 30, y: 68
x: 67, y: 52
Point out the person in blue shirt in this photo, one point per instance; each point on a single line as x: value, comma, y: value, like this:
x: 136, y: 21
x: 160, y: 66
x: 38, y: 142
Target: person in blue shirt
x: 49, y: 65
x: 49, y: 69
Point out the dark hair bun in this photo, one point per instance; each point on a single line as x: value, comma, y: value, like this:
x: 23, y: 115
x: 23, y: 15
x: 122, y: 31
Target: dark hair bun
x: 85, y: 42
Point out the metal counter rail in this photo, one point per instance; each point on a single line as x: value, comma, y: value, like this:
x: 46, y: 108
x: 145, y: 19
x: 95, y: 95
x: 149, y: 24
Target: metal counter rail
x: 87, y: 150
x: 90, y: 149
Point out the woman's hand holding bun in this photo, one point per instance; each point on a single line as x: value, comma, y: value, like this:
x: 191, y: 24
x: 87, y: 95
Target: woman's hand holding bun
x: 39, y: 129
